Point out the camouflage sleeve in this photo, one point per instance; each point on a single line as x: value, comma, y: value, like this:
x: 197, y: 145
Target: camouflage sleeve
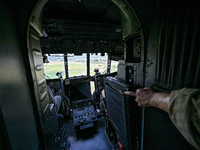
x: 184, y: 111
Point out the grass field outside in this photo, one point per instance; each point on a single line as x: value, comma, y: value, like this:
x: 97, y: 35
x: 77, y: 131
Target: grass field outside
x: 77, y: 65
x: 52, y: 68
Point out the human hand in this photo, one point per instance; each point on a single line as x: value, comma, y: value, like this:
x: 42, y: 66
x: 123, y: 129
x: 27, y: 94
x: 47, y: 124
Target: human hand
x: 143, y: 96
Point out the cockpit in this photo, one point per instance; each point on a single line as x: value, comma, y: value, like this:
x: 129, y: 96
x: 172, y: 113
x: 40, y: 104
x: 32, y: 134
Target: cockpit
x: 66, y: 65
x: 79, y: 47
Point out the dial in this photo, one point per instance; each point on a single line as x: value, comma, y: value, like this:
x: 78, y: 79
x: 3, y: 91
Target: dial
x: 59, y: 90
x: 51, y: 83
x: 57, y: 83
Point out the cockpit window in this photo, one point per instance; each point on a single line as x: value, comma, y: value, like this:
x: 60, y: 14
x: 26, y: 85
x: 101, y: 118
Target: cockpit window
x: 98, y: 61
x: 77, y: 65
x: 54, y: 64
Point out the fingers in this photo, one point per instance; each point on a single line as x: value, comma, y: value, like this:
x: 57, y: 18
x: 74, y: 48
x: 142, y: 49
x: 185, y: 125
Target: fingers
x: 139, y: 98
x: 137, y: 93
x: 143, y: 96
x: 131, y: 93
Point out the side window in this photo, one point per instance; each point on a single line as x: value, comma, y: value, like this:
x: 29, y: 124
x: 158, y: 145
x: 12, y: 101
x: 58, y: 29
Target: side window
x: 114, y: 65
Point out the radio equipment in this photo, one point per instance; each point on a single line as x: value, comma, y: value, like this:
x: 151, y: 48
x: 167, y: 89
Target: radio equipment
x: 122, y: 112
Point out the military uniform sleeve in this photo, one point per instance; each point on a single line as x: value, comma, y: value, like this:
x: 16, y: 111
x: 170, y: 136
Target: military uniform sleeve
x: 184, y: 111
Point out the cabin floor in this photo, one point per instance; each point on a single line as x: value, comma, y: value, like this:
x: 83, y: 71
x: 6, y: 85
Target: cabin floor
x: 93, y: 138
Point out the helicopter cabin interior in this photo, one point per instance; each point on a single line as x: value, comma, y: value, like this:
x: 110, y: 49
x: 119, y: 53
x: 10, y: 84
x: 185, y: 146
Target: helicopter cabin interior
x: 139, y: 43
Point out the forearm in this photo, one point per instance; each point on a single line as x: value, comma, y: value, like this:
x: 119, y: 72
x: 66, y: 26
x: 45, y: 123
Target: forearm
x: 160, y: 100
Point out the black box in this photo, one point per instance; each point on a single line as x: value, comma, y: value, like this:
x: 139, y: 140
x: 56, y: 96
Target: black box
x: 122, y: 112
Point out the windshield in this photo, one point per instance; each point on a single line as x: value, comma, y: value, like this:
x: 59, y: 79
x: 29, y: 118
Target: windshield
x: 77, y: 65
x: 98, y: 61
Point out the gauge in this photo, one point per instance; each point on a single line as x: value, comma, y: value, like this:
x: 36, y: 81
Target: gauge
x: 59, y: 90
x: 51, y: 83
x: 57, y: 83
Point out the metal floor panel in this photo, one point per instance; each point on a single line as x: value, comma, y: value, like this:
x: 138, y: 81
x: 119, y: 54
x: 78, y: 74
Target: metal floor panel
x: 88, y: 139
x: 91, y: 140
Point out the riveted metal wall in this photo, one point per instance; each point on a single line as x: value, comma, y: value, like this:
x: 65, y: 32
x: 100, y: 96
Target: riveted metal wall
x: 18, y: 119
x: 174, y: 55
x: 171, y: 61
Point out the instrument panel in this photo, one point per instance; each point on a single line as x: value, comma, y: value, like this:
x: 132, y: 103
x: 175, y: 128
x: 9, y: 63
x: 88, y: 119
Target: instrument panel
x: 81, y: 37
x: 78, y: 79
x: 84, y: 113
